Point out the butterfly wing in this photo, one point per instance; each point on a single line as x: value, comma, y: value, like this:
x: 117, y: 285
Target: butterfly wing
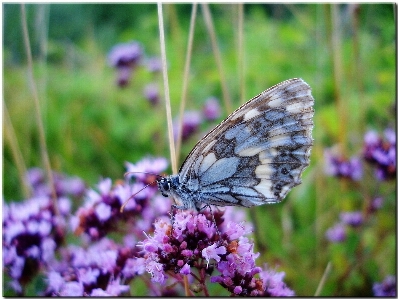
x: 258, y: 153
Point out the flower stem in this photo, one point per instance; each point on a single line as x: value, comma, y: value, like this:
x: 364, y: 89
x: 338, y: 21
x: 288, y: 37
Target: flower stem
x: 323, y: 279
x: 203, y: 282
x: 186, y: 286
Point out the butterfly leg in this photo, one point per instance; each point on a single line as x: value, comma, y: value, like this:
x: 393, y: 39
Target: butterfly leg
x: 179, y: 207
x: 172, y: 214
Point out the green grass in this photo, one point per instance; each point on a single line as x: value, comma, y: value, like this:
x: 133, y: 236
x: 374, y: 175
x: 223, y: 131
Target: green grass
x: 92, y: 127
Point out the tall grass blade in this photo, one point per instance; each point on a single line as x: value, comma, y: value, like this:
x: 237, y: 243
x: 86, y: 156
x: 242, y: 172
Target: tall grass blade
x: 217, y: 55
x: 15, y: 151
x: 323, y: 279
x: 186, y: 76
x: 338, y: 74
x: 166, y: 90
x: 241, y: 53
x: 42, y: 139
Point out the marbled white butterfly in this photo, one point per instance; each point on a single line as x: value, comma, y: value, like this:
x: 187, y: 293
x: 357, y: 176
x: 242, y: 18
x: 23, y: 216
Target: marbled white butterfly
x: 255, y: 156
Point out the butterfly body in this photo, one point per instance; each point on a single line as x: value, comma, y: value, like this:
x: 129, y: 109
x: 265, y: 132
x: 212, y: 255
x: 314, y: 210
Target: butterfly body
x: 255, y: 156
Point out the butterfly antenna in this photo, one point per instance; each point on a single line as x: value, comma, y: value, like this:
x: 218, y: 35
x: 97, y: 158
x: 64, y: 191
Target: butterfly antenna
x: 125, y: 203
x: 152, y: 173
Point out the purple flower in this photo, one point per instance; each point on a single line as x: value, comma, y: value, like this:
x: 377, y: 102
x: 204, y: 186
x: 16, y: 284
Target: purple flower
x: 72, y: 289
x: 31, y: 233
x: 336, y: 233
x: 64, y: 205
x: 12, y: 230
x: 116, y: 289
x: 167, y: 248
x: 124, y: 191
x: 351, y: 218
x: 211, y: 252
x: 107, y: 260
x: 380, y: 156
x: 154, y: 64
x: 98, y: 292
x: 390, y: 136
x: 376, y: 204
x: 156, y: 271
x: 35, y: 176
x: 236, y: 230
x: 151, y: 93
x: 211, y: 109
x: 71, y: 186
x: 387, y: 288
x: 55, y: 281
x: 196, y: 245
x: 127, y: 54
x: 143, y: 170
x: 273, y: 284
x: 355, y: 166
x: 123, y: 75
x: 234, y: 214
x: 125, y: 57
x: 17, y: 267
x: 193, y: 240
x: 186, y: 269
x: 190, y: 124
x: 237, y: 290
x: 64, y: 186
x: 104, y: 186
x: 381, y: 153
x: 133, y: 267
x: 103, y: 211
x: 340, y: 167
x: 48, y: 247
x: 101, y: 265
x: 238, y: 268
x: 88, y: 275
x: 371, y: 138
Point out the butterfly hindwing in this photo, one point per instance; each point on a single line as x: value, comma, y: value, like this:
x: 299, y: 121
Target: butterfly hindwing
x: 257, y: 154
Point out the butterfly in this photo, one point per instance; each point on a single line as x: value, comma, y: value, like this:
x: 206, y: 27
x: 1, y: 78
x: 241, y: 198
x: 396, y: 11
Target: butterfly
x: 254, y: 157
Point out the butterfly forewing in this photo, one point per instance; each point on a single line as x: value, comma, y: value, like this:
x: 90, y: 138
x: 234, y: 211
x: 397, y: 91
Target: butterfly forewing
x: 254, y: 156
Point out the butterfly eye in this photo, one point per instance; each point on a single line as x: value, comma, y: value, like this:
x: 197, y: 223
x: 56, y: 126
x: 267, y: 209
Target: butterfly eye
x: 165, y: 185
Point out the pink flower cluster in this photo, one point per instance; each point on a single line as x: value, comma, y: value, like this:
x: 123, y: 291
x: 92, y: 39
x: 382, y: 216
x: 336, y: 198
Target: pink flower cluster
x: 195, y: 246
x: 101, y: 214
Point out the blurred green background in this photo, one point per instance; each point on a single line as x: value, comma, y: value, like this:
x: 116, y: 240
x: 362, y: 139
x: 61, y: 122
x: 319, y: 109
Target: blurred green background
x: 346, y: 53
